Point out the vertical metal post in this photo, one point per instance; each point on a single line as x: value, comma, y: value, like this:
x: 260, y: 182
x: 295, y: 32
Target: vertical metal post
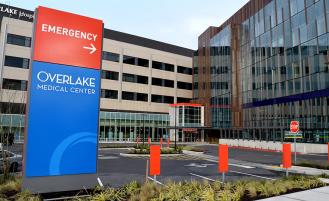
x: 155, y: 178
x: 147, y: 170
x: 295, y: 156
x: 223, y: 177
x: 143, y: 129
x: 175, y: 129
x: 287, y: 172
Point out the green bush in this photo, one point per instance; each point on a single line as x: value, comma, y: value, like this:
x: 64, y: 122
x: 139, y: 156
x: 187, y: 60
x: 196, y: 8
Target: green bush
x: 11, y: 190
x: 192, y: 148
x: 146, y: 150
x: 241, y: 190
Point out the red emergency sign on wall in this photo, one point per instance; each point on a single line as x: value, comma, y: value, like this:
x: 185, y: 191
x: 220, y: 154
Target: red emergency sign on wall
x: 66, y: 38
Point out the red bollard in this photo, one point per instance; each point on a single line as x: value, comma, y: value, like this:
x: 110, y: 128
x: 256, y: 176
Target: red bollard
x: 137, y: 141
x: 155, y: 160
x: 168, y: 142
x: 286, y: 157
x: 161, y: 142
x: 148, y: 140
x: 223, y: 160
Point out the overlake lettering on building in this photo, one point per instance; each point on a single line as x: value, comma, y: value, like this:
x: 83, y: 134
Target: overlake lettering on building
x: 16, y: 13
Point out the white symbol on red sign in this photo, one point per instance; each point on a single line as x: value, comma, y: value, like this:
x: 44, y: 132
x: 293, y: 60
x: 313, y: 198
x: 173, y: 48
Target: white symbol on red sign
x: 294, y: 126
x: 92, y: 48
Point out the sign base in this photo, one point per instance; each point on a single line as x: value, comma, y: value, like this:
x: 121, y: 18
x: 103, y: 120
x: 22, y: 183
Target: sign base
x: 40, y: 185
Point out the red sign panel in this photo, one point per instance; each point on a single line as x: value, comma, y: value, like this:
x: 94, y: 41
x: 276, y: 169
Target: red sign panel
x: 223, y: 158
x: 286, y: 155
x: 294, y: 126
x: 155, y: 160
x: 66, y: 38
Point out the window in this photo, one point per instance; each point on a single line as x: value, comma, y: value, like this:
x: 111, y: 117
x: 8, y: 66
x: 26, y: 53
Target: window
x: 18, y: 40
x: 127, y: 95
x: 129, y: 60
x: 163, y: 82
x: 142, y: 97
x: 162, y: 99
x: 184, y: 85
x: 142, y: 79
x: 111, y: 94
x: 142, y: 62
x: 17, y: 62
x: 163, y: 66
x: 12, y: 108
x: 109, y: 56
x: 135, y: 61
x: 11, y: 84
x: 184, y: 70
x: 168, y: 99
x: 158, y: 98
x: 134, y: 78
x: 110, y: 75
x: 169, y: 83
x: 183, y: 100
x: 134, y: 96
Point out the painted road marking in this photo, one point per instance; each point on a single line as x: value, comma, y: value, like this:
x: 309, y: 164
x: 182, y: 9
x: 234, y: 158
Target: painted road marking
x: 100, y: 182
x: 233, y: 164
x: 199, y: 165
x: 107, y: 157
x: 156, y: 181
x: 253, y: 175
x: 202, y: 177
x: 213, y: 159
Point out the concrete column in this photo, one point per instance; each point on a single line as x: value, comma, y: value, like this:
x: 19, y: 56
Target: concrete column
x: 202, y: 135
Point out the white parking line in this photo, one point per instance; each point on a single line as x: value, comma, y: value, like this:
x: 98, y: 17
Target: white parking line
x: 253, y: 175
x: 156, y: 181
x: 233, y: 164
x: 202, y: 177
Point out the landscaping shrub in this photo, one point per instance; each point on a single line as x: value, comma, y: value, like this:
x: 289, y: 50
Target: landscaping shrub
x: 192, y: 148
x: 241, y: 190
x: 11, y: 190
x: 140, y: 149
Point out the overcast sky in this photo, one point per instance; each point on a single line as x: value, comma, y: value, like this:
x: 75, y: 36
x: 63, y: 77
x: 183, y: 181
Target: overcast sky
x: 178, y: 22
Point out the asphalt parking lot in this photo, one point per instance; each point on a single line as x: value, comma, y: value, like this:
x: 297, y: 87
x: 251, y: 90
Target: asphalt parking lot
x: 116, y: 170
x: 264, y: 157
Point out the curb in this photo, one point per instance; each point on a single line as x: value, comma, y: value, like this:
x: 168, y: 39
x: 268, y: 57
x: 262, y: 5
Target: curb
x: 148, y: 155
x: 192, y: 152
x: 120, y: 148
x: 261, y: 149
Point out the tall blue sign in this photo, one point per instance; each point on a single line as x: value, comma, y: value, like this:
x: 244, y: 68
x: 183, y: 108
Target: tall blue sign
x: 63, y: 102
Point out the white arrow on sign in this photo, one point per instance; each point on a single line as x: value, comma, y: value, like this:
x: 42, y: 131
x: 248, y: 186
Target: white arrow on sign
x: 92, y: 48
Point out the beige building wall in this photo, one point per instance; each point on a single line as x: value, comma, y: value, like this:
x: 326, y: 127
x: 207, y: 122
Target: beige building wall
x: 24, y: 28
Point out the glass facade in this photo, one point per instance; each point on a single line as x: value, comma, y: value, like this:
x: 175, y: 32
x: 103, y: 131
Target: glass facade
x: 280, y: 56
x: 113, y: 126
x: 186, y: 121
x: 125, y: 126
x: 220, y: 73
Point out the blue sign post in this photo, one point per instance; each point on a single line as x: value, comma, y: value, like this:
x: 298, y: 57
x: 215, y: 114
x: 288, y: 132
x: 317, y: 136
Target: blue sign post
x: 61, y: 140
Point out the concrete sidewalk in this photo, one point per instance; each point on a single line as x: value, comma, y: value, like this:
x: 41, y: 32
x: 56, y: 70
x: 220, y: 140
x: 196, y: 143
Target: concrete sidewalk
x: 317, y: 194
